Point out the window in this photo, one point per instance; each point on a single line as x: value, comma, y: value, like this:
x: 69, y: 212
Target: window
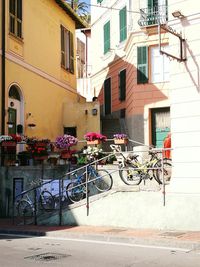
x: 142, y: 64
x: 159, y: 66
x: 14, y: 93
x: 156, y: 10
x: 99, y: 1
x: 122, y: 25
x: 67, y: 50
x: 15, y: 12
x: 122, y: 85
x: 81, y: 59
x: 70, y: 131
x: 106, y: 30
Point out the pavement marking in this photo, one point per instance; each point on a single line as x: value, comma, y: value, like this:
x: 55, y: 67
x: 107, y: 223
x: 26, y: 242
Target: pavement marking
x: 117, y: 243
x: 104, y: 242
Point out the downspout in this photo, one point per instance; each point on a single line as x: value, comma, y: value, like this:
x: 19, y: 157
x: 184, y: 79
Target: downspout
x: 3, y: 71
x: 86, y: 56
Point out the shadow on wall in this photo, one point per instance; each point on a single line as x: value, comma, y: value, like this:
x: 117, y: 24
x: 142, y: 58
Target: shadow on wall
x: 194, y: 66
x: 113, y: 99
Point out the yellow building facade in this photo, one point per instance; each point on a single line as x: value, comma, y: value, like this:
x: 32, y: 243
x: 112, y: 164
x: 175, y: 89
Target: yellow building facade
x: 38, y: 88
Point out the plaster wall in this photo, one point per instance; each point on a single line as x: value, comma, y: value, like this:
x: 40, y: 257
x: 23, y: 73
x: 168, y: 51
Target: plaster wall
x: 185, y: 102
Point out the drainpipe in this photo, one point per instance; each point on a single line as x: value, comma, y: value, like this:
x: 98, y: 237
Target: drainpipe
x: 3, y: 71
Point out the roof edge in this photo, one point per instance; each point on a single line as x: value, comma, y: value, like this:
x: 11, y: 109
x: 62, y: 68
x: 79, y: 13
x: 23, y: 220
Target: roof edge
x: 66, y: 7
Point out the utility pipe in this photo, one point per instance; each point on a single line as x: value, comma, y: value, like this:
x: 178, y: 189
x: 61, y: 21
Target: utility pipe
x: 3, y: 71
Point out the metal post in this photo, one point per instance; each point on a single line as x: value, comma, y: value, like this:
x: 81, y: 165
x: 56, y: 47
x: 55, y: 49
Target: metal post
x: 87, y: 195
x: 13, y: 210
x: 163, y: 180
x: 159, y: 32
x: 60, y: 200
x: 35, y: 206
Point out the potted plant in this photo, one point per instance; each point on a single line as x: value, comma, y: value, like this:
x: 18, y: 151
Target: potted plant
x: 9, y: 140
x: 94, y: 138
x: 38, y: 148
x: 93, y: 153
x: 120, y: 138
x: 64, y: 143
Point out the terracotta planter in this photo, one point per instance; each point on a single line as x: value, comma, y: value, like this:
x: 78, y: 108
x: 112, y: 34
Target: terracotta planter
x: 8, y: 143
x: 40, y: 157
x: 65, y: 155
x: 123, y: 141
x: 94, y: 142
x: 40, y: 144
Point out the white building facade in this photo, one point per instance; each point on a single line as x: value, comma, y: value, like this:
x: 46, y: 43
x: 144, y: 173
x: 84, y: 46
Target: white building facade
x: 173, y: 85
x: 185, y: 97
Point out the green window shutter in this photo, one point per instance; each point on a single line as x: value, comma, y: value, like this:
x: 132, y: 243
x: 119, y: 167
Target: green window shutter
x: 62, y: 46
x: 106, y: 30
x: 142, y: 64
x: 99, y: 1
x: 122, y: 24
x: 71, y: 53
x: 122, y: 85
x: 107, y: 96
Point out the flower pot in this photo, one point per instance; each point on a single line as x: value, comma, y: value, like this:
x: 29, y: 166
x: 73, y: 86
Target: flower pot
x: 94, y: 142
x: 8, y: 143
x: 40, y: 157
x: 65, y: 155
x: 40, y: 144
x: 122, y: 141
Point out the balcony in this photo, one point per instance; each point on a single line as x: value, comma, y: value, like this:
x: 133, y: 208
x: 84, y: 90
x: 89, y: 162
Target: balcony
x: 153, y: 16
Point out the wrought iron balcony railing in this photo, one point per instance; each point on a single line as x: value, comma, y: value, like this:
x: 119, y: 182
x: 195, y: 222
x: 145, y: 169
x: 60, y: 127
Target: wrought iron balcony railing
x: 153, y: 16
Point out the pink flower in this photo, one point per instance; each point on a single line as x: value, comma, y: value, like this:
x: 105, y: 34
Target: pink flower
x: 95, y: 136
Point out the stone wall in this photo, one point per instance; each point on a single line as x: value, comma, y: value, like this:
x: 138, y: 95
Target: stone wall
x: 29, y: 174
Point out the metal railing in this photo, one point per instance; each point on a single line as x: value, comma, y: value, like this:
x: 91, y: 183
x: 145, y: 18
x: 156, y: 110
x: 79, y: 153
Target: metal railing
x: 61, y: 191
x: 67, y: 176
x: 153, y: 16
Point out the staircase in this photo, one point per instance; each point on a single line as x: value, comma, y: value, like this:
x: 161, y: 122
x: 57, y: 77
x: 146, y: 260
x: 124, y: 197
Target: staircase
x: 111, y: 126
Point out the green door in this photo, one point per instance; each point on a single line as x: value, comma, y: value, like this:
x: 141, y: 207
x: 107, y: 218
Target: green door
x: 12, y: 117
x: 160, y: 125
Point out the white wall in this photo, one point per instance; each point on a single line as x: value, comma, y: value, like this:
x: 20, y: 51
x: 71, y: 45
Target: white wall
x: 99, y: 17
x: 185, y: 100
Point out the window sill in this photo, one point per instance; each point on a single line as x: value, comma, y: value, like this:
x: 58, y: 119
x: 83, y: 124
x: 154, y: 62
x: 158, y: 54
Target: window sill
x: 67, y: 70
x: 107, y: 55
x: 16, y: 38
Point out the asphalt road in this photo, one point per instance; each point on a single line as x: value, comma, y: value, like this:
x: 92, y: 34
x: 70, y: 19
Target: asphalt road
x: 51, y: 251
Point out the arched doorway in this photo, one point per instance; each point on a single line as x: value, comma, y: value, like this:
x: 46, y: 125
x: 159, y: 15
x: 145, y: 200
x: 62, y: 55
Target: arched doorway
x: 15, y: 110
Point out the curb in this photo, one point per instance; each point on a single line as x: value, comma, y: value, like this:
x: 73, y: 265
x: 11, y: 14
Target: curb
x: 167, y: 243
x: 22, y: 232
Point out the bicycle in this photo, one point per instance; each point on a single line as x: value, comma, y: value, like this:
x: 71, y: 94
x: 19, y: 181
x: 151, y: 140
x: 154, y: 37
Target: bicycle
x: 132, y: 171
x: 26, y: 207
x: 101, y: 180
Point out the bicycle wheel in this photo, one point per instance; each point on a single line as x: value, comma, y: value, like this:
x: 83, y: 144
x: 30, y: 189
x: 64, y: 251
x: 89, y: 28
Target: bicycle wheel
x: 46, y: 200
x: 103, y: 180
x: 75, y: 192
x: 25, y: 209
x: 129, y: 175
x: 167, y: 168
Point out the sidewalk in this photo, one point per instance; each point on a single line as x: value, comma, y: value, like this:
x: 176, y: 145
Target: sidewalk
x: 165, y: 238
